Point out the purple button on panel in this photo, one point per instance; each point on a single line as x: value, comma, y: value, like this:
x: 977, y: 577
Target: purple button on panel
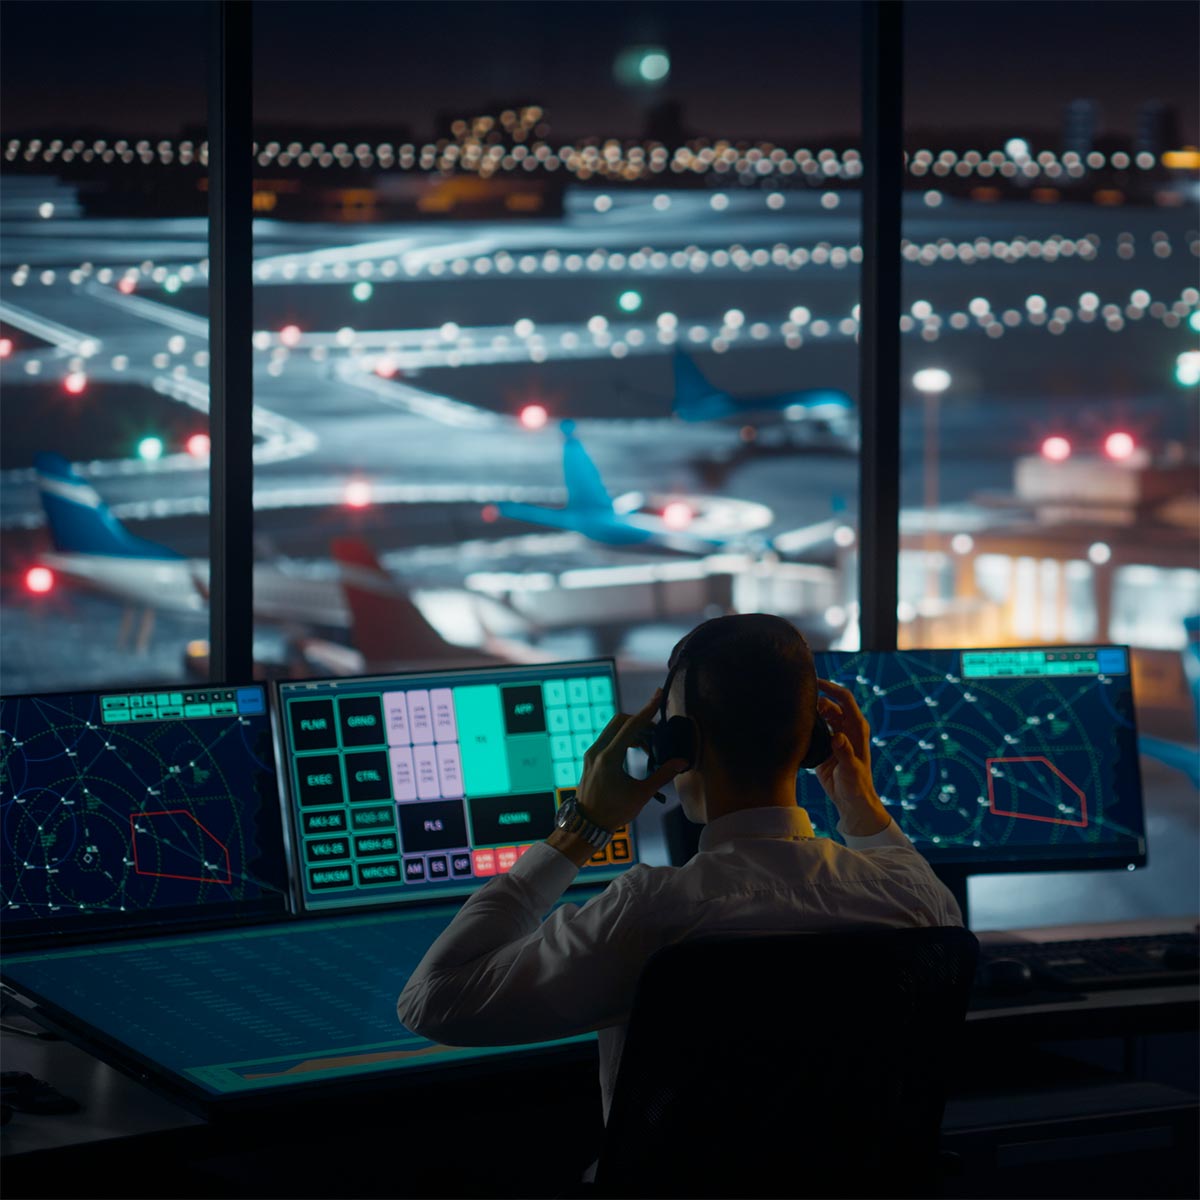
x: 420, y: 721
x: 404, y: 777
x: 450, y: 770
x: 428, y: 787
x: 441, y: 700
x: 396, y: 715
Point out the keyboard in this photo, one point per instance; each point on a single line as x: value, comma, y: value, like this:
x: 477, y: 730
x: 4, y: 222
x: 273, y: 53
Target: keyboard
x: 1097, y: 963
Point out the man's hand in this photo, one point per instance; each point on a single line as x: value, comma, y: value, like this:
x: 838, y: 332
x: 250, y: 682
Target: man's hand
x: 846, y: 775
x: 608, y: 794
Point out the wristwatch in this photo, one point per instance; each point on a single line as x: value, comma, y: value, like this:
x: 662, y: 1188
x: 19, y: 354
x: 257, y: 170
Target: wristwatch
x: 571, y: 818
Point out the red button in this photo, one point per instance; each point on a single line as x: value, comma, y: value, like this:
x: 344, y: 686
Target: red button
x: 484, y: 862
x: 506, y: 856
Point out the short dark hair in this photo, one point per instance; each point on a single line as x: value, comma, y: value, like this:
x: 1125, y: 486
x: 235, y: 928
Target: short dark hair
x: 751, y: 685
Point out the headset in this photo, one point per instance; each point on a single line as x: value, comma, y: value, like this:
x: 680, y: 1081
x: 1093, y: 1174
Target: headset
x: 681, y: 737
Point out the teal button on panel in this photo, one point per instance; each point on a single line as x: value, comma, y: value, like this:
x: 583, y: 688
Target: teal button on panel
x: 558, y: 720
x: 554, y: 693
x: 577, y: 692
x: 600, y: 690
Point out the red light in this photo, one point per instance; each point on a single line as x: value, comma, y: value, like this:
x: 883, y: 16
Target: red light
x: 1056, y: 449
x: 39, y: 580
x: 127, y: 285
x: 677, y: 515
x: 534, y: 416
x: 358, y: 493
x: 289, y: 335
x: 75, y: 383
x: 386, y: 369
x: 1119, y: 446
x: 490, y: 513
x: 6, y: 347
x: 199, y: 445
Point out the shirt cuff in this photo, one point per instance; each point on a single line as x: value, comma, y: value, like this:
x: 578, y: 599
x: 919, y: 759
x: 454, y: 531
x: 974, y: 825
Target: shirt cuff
x: 890, y: 835
x: 545, y: 873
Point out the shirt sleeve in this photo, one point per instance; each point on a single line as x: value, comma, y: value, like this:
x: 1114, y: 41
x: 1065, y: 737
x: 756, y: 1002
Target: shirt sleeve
x: 919, y: 874
x: 499, y: 974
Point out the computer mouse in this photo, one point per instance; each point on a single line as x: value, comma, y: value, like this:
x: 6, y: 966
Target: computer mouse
x: 1006, y: 976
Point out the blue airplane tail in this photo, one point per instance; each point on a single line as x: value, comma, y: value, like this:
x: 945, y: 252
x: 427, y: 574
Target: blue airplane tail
x: 694, y: 395
x: 80, y: 522
x: 585, y: 489
x: 1178, y: 755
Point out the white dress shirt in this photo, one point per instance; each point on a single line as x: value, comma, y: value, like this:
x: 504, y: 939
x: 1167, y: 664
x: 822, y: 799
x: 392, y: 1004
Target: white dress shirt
x: 499, y: 974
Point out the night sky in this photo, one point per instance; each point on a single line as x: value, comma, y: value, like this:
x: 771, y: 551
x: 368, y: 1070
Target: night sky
x: 787, y: 71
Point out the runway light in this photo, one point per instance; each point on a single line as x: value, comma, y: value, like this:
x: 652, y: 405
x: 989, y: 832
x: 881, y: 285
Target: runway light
x: 931, y: 379
x: 75, y: 383
x: 289, y: 335
x: 1119, y: 446
x: 1099, y: 553
x: 962, y: 543
x: 844, y: 536
x: 490, y: 513
x: 629, y: 301
x: 150, y: 449
x: 358, y: 494
x: 1194, y: 321
x: 362, y: 291
x: 677, y: 515
x: 654, y: 66
x: 39, y: 580
x: 534, y: 416
x: 45, y: 210
x: 1016, y: 148
x: 386, y: 369
x: 172, y: 284
x: 1056, y: 448
x: 199, y: 445
x: 126, y: 285
x: 1187, y: 368
x: 6, y: 347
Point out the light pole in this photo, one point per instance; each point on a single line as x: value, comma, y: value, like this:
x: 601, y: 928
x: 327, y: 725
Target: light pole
x: 931, y: 382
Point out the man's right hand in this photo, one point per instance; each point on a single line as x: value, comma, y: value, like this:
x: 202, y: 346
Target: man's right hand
x: 846, y: 774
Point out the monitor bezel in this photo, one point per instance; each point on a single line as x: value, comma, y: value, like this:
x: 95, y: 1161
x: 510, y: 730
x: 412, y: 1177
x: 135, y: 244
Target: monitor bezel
x: 169, y: 920
x: 585, y: 879
x: 955, y: 867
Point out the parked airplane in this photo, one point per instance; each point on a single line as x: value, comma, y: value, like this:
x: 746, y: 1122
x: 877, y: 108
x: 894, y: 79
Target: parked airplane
x: 386, y: 624
x: 589, y: 510
x: 696, y: 399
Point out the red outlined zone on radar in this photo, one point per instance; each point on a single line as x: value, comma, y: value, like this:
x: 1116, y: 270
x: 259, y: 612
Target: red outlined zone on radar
x: 176, y: 812
x: 1034, y: 758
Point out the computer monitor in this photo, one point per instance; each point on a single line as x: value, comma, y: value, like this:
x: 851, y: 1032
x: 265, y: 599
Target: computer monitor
x: 1012, y: 759
x: 137, y: 810
x: 414, y: 787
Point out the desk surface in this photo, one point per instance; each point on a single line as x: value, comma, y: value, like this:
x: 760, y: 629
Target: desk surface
x: 116, y: 1106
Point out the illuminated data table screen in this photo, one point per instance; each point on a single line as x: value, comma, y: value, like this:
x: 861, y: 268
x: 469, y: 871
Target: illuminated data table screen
x: 1005, y: 758
x: 410, y: 786
x: 130, y: 808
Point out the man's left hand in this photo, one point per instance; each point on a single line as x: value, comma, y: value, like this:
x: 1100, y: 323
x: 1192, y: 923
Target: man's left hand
x: 607, y: 793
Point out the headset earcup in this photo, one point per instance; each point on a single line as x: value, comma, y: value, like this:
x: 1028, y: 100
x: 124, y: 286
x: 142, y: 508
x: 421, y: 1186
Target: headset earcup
x: 677, y: 737
x: 820, y: 745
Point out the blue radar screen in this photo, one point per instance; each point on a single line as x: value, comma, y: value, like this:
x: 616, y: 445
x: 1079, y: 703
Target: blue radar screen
x: 137, y: 808
x: 1010, y: 756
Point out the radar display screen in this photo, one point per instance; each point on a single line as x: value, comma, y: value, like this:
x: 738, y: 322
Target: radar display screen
x: 1002, y: 759
x: 135, y: 809
x: 419, y: 786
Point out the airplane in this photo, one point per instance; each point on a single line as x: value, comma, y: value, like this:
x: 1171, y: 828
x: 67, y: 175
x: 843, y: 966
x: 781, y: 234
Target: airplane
x: 386, y: 625
x: 1179, y: 755
x: 696, y: 399
x: 590, y: 510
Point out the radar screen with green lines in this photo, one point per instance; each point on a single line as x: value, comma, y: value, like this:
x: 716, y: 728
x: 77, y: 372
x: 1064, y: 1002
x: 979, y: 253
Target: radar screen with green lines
x: 1007, y: 759
x: 128, y: 809
x: 424, y: 786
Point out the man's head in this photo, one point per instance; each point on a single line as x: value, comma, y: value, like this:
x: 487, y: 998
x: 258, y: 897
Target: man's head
x: 749, y: 683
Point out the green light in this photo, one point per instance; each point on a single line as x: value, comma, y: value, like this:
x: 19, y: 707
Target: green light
x: 1194, y: 321
x: 362, y: 291
x: 150, y: 449
x: 172, y: 284
x: 629, y: 301
x: 654, y: 66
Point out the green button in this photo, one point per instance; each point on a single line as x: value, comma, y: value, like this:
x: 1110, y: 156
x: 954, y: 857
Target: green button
x: 577, y: 691
x: 554, y: 692
x: 600, y: 690
x: 113, y: 716
x: 145, y: 714
x: 198, y: 710
x: 168, y: 714
x: 560, y: 746
x: 177, y: 699
x: 564, y: 774
x: 114, y: 702
x: 224, y: 709
x: 558, y: 720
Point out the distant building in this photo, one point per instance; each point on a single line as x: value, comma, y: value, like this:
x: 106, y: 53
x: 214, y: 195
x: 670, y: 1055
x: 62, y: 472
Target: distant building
x: 1157, y: 128
x: 1081, y: 120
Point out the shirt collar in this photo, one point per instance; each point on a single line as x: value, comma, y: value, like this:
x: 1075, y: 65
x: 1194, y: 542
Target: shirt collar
x: 769, y: 822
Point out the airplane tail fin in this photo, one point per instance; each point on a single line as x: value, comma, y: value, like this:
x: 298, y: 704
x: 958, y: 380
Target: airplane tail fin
x: 692, y: 390
x: 585, y: 489
x: 80, y: 522
x: 1191, y: 662
x: 385, y: 625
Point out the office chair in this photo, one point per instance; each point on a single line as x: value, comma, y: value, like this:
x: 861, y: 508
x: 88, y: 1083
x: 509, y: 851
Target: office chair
x: 792, y: 1064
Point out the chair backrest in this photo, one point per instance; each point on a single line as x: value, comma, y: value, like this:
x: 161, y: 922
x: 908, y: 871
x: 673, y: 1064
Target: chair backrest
x: 794, y: 1064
